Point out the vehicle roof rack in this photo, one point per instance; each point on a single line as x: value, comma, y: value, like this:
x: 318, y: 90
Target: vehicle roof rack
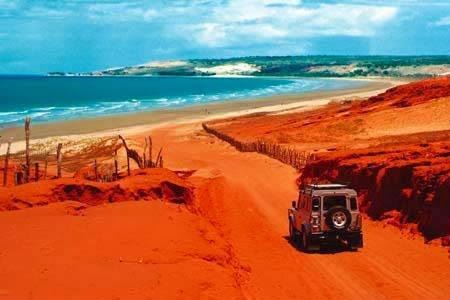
x: 327, y: 186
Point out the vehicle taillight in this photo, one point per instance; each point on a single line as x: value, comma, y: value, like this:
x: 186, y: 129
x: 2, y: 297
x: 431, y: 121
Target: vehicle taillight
x: 357, y: 224
x: 316, y: 204
x: 315, y: 223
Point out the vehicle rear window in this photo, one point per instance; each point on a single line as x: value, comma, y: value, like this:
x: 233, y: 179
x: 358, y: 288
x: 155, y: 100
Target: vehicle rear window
x: 330, y: 201
x: 353, y: 203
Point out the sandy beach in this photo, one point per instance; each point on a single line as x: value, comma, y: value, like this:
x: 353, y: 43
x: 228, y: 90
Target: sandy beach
x: 212, y: 223
x: 135, y: 123
x: 224, y: 150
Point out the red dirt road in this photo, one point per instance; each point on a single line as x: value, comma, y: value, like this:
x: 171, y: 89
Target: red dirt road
x: 229, y: 244
x: 246, y: 198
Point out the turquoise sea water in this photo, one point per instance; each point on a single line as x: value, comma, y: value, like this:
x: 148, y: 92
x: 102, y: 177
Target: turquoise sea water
x: 46, y: 99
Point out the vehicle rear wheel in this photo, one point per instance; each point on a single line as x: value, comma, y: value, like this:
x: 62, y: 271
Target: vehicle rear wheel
x: 338, y: 218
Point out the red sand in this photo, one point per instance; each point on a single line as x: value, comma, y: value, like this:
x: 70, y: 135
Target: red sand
x: 246, y: 198
x: 149, y: 184
x: 356, y: 124
x: 128, y: 250
x: 227, y: 239
x: 394, y: 148
x: 123, y: 239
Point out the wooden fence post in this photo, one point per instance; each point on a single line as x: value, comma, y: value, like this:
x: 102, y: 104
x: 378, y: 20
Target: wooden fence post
x: 116, y: 165
x: 150, y: 145
x: 45, y: 165
x: 131, y: 154
x: 157, y: 157
x: 59, y: 159
x: 144, y: 153
x: 128, y: 165
x: 27, y: 148
x: 36, y: 171
x: 5, y: 170
x: 18, y: 178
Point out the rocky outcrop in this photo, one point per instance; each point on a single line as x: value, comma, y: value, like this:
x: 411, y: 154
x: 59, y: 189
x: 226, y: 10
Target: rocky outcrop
x: 413, y: 181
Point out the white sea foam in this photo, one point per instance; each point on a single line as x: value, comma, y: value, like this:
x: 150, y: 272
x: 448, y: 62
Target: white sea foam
x: 8, y: 113
x: 43, y: 114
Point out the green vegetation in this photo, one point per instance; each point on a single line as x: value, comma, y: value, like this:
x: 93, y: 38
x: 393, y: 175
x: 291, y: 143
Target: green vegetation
x: 305, y: 66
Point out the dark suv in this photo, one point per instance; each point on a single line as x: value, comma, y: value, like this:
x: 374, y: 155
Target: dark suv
x: 325, y: 213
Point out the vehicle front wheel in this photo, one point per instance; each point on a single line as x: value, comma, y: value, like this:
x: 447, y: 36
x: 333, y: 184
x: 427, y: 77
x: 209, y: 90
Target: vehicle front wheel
x: 292, y: 233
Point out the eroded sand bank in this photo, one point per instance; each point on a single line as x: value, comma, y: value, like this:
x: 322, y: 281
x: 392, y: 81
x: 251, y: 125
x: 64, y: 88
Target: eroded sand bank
x: 140, y: 122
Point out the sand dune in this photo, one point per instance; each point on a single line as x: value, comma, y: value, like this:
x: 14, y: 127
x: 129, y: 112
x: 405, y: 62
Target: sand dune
x: 133, y: 238
x: 392, y: 147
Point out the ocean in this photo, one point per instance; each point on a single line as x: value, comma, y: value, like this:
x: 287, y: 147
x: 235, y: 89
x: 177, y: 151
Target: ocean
x: 47, y: 99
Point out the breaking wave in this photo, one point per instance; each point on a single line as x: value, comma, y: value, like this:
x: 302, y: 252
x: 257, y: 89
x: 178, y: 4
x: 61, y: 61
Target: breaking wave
x: 102, y: 108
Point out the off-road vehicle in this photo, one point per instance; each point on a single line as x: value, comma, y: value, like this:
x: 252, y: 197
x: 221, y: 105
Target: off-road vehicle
x: 325, y: 213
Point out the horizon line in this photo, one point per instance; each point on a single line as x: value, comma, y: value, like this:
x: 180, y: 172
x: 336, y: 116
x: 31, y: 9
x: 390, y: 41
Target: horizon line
x: 233, y: 57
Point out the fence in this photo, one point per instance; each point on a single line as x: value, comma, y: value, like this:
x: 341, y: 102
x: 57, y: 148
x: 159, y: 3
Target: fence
x: 29, y: 164
x: 32, y: 164
x: 287, y: 155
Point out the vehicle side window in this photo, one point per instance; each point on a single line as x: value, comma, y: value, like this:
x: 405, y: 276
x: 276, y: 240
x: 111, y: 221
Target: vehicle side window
x: 305, y: 200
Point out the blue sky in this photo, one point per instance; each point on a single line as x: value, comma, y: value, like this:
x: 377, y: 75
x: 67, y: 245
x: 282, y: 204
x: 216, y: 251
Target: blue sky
x: 84, y: 35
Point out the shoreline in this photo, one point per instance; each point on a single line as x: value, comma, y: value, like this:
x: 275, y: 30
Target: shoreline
x: 134, y: 123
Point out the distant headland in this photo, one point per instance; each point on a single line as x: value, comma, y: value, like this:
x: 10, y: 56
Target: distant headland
x: 302, y: 66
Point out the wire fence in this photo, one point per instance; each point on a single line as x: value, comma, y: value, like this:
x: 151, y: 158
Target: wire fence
x: 284, y: 154
x: 95, y: 160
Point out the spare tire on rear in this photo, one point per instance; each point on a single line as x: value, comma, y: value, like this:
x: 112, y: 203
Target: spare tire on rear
x: 338, y: 218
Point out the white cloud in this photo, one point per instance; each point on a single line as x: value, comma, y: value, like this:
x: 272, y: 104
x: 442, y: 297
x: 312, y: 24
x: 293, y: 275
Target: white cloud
x: 38, y: 11
x: 444, y: 21
x: 281, y: 2
x: 242, y: 11
x: 210, y: 34
x: 258, y: 21
x: 339, y: 19
x: 121, y: 12
x: 404, y: 3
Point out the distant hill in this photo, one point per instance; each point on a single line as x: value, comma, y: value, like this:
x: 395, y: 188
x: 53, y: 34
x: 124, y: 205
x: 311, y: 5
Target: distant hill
x: 304, y: 66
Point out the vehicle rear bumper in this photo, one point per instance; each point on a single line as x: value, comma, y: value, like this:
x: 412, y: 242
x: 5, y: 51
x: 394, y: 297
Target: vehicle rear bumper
x: 355, y: 238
